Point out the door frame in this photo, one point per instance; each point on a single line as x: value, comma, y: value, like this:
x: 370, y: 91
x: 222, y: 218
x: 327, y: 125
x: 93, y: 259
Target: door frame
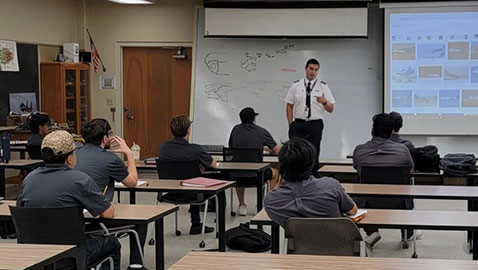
x: 119, y: 124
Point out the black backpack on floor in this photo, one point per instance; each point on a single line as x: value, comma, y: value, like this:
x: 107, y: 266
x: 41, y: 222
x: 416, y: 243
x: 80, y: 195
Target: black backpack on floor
x: 247, y: 239
x: 458, y: 164
x: 426, y: 158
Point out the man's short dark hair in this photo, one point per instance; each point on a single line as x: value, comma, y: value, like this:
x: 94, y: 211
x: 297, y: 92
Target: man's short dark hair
x: 397, y: 121
x: 179, y: 126
x: 36, y: 120
x: 94, y: 131
x: 297, y: 159
x: 382, y: 125
x: 50, y: 158
x: 312, y: 61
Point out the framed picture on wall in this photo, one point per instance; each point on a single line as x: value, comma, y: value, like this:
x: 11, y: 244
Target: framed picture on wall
x: 23, y: 103
x: 107, y: 82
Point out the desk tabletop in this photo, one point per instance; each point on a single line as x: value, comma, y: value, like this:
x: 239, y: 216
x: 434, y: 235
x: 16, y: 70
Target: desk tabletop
x: 143, y: 166
x: 242, y: 166
x: 413, y: 191
x: 348, y: 169
x: 432, y: 220
x: 239, y: 261
x: 27, y: 256
x: 21, y: 163
x: 123, y: 212
x: 168, y: 185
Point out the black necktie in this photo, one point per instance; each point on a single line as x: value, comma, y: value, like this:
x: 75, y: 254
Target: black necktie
x: 307, y: 101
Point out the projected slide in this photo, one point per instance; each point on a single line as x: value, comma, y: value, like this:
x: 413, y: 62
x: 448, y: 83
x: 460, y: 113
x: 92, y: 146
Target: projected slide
x: 434, y: 63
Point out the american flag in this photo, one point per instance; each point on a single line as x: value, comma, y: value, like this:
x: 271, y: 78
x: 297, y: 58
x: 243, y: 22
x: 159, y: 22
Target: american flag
x: 95, y: 56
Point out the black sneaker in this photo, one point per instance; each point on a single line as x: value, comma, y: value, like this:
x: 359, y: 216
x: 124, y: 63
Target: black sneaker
x: 136, y: 267
x: 196, y: 229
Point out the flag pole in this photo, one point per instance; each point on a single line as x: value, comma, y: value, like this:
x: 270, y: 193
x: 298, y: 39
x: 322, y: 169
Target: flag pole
x: 99, y: 56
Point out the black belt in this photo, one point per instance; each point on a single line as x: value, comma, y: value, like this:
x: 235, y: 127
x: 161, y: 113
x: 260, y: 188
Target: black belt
x: 302, y: 120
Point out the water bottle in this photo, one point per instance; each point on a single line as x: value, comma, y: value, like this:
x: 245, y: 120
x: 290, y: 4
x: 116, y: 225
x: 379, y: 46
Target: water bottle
x: 136, y: 151
x: 5, y: 147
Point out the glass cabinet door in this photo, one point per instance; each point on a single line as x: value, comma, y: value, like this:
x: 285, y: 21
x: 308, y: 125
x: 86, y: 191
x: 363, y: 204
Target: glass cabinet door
x: 71, y: 97
x: 84, y: 97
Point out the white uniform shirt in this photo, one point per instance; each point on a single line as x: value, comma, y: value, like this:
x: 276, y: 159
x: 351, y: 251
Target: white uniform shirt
x: 297, y: 96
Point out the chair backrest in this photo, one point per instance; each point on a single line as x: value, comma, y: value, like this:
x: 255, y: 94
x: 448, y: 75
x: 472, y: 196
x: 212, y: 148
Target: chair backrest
x: 34, y: 151
x: 239, y: 154
x: 178, y: 169
x: 385, y: 175
x: 323, y: 236
x: 56, y: 225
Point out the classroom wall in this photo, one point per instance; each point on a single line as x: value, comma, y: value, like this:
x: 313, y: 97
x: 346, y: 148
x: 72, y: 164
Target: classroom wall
x: 52, y: 22
x: 110, y: 23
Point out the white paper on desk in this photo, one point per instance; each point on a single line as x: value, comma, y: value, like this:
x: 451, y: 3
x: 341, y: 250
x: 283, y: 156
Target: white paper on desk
x: 360, y: 212
x: 120, y: 185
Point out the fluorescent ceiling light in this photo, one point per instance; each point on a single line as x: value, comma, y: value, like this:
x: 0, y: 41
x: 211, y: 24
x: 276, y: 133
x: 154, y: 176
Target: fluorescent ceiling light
x: 133, y: 1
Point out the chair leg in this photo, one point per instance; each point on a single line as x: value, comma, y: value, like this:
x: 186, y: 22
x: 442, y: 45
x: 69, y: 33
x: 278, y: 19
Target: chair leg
x: 415, y: 254
x: 136, y: 236
x: 232, y: 202
x: 202, y: 244
x: 217, y: 217
x: 178, y: 232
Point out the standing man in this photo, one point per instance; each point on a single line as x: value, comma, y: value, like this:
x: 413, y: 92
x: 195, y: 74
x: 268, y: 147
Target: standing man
x: 307, y: 100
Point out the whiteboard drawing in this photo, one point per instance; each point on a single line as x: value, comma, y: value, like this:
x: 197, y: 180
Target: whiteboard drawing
x: 249, y: 63
x: 214, y: 63
x: 218, y: 91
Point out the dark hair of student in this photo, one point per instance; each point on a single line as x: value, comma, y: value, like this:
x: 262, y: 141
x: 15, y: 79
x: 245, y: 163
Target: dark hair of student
x: 382, y: 125
x: 296, y: 159
x: 94, y: 131
x: 397, y: 121
x: 36, y: 120
x: 179, y: 126
x: 312, y: 61
x: 50, y: 158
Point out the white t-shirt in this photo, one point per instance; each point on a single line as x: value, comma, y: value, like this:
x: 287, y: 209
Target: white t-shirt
x: 297, y: 96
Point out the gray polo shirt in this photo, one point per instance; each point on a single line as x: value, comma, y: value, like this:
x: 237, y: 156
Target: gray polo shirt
x: 179, y: 149
x: 314, y: 197
x: 396, y: 138
x: 380, y: 152
x: 103, y: 166
x: 251, y: 136
x: 56, y: 185
x: 35, y: 139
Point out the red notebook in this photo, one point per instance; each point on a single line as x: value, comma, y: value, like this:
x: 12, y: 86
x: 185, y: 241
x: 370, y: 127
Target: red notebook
x: 201, y: 182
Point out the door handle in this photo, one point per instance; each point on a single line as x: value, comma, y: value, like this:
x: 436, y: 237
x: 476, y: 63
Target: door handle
x: 129, y: 115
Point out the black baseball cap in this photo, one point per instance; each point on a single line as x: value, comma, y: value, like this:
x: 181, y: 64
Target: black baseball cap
x: 247, y: 115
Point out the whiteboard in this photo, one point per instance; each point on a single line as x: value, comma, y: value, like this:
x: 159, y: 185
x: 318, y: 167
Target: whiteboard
x: 231, y: 74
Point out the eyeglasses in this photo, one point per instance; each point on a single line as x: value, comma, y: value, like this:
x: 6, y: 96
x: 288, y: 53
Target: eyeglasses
x: 109, y: 134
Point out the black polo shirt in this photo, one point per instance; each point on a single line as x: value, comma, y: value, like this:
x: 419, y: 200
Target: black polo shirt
x: 59, y: 186
x: 251, y: 136
x: 179, y: 149
x: 103, y: 166
x: 35, y: 139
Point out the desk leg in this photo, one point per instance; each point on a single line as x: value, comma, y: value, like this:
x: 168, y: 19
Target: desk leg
x: 472, y: 207
x: 2, y: 182
x: 132, y: 197
x: 275, y: 249
x: 222, y: 220
x: 260, y: 192
x: 159, y: 237
x: 475, y: 250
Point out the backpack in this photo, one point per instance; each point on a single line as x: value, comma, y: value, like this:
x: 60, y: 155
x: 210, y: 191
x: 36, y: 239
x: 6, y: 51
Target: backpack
x: 458, y: 164
x: 7, y: 230
x: 426, y: 158
x: 247, y: 239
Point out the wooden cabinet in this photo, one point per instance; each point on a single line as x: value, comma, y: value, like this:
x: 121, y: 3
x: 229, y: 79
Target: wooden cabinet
x: 65, y: 93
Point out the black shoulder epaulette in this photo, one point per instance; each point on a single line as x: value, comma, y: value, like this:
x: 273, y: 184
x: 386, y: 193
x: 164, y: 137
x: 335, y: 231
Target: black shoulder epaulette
x: 322, y: 82
x: 296, y: 81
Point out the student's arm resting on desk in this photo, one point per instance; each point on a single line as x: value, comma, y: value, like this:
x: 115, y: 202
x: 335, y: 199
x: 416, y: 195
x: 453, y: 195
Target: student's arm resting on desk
x: 108, y: 213
x: 131, y: 180
x: 93, y: 200
x: 346, y: 203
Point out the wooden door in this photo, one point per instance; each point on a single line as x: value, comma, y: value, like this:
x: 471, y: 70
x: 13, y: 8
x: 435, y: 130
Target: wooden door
x: 156, y: 87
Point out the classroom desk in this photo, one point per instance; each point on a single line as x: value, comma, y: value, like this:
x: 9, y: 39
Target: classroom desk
x: 240, y: 261
x: 398, y: 219
x: 19, y: 164
x: 164, y: 185
x: 126, y: 214
x: 259, y: 168
x: 15, y: 256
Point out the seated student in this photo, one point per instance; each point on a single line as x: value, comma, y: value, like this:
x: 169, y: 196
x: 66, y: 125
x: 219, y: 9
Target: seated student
x: 381, y: 151
x: 58, y: 185
x: 397, y: 125
x: 40, y: 126
x: 249, y: 135
x: 179, y: 149
x: 106, y: 168
x: 303, y: 195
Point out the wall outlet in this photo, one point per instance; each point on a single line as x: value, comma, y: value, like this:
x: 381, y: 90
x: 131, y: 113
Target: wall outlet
x: 109, y: 102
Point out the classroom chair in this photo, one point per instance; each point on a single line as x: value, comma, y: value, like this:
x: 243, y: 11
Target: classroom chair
x: 181, y: 170
x: 243, y: 179
x: 323, y: 236
x: 55, y: 225
x: 34, y: 151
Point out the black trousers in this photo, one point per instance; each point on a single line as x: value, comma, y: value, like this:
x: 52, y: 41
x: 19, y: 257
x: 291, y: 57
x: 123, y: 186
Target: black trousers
x: 134, y: 256
x: 309, y: 130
